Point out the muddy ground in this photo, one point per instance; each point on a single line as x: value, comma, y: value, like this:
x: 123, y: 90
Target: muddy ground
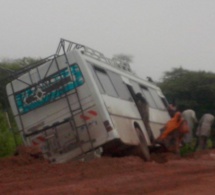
x: 165, y: 174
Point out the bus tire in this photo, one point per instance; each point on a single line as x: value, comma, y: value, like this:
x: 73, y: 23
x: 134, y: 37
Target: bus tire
x: 142, y: 147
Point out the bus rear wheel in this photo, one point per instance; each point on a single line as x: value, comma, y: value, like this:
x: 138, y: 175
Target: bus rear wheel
x: 142, y: 147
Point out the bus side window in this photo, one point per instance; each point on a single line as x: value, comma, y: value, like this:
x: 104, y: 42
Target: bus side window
x: 105, y: 81
x: 157, y: 99
x: 131, y: 90
x: 149, y: 98
x: 119, y: 85
x: 165, y: 102
x: 92, y: 68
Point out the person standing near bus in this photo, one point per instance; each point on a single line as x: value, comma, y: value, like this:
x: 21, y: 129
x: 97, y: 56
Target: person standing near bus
x: 190, y: 116
x: 204, y: 131
x: 173, y: 133
x: 143, y: 108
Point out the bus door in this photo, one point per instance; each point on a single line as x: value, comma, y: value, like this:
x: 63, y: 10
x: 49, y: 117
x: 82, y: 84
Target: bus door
x: 142, y: 107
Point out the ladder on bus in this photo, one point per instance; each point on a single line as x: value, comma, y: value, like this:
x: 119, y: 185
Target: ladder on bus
x: 73, y: 123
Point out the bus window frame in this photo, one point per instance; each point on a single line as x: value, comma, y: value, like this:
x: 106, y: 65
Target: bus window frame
x: 110, y: 74
x: 139, y: 87
x: 101, y: 70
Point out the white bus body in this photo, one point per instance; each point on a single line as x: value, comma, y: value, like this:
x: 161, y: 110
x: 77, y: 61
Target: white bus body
x: 81, y: 101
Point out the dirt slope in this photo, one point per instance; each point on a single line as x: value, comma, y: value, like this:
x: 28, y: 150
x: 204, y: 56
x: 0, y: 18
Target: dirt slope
x: 165, y: 174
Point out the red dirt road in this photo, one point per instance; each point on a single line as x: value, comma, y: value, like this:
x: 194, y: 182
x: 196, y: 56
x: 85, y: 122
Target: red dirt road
x: 165, y: 174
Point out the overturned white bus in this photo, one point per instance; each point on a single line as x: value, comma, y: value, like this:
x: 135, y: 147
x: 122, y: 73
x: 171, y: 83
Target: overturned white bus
x: 78, y: 101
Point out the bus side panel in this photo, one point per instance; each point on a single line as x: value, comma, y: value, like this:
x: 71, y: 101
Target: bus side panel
x: 158, y: 119
x: 125, y: 129
x: 123, y: 114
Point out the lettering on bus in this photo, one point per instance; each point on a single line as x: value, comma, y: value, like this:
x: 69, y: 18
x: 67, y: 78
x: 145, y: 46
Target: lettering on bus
x: 49, y: 89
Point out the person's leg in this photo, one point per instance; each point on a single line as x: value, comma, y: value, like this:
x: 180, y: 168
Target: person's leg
x: 202, y: 143
x: 173, y: 142
x: 212, y: 137
x: 196, y: 143
x: 204, y: 140
x: 178, y: 141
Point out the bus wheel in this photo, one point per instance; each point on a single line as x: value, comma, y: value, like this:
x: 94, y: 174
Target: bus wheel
x: 142, y: 147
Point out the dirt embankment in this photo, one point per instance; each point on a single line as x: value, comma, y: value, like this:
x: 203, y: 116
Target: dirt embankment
x: 165, y: 174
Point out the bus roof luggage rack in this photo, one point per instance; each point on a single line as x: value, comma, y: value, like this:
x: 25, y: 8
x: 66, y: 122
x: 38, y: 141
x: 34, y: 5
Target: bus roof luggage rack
x: 117, y: 63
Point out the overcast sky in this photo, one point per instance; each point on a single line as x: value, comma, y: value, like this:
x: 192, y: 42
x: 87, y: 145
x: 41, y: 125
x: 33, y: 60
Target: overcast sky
x: 159, y: 34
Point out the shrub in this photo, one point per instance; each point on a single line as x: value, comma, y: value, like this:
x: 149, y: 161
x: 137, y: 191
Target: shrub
x: 187, y: 149
x: 8, y: 140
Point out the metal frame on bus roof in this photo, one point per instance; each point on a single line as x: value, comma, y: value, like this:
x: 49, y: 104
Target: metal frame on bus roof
x: 66, y: 45
x: 117, y: 63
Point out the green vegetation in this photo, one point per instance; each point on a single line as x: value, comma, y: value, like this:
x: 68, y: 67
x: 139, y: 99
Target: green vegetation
x: 188, y: 148
x: 190, y: 89
x: 9, y: 138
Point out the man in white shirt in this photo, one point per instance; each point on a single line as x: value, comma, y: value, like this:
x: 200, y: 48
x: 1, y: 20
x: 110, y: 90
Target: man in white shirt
x: 204, y: 130
x: 190, y: 116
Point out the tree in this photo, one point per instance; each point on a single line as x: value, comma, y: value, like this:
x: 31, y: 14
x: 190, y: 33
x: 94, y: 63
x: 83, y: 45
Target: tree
x: 190, y: 89
x: 9, y: 138
x: 123, y: 61
x: 7, y: 69
x: 124, y: 57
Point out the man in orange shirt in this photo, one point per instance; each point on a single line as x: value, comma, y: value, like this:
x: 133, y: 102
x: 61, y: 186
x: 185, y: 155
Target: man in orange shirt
x: 173, y: 133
